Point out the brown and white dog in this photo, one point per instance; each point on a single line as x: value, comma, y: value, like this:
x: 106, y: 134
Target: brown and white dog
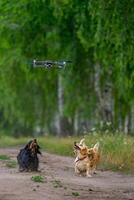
x: 86, y: 158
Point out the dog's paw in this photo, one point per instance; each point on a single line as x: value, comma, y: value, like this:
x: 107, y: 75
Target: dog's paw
x: 89, y: 176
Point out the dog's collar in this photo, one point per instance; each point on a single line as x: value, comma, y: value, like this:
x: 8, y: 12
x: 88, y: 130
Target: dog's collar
x: 79, y: 159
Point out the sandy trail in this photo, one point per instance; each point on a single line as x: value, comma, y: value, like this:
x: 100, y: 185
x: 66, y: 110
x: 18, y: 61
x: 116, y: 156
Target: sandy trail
x: 60, y: 182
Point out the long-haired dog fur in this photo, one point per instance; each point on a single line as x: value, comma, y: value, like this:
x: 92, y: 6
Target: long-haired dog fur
x: 86, y: 158
x: 28, y: 158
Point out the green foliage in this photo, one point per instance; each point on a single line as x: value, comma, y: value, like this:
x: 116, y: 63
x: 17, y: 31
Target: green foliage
x: 56, y: 145
x: 87, y: 32
x: 38, y: 179
x: 11, y: 164
x: 4, y: 157
x: 76, y: 194
x: 7, y: 141
x: 57, y: 184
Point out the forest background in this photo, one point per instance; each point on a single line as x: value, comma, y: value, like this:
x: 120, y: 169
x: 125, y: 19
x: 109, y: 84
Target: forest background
x: 95, y: 93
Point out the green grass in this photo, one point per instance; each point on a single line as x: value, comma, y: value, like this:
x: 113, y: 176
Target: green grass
x: 57, y: 184
x: 61, y: 146
x: 11, y: 164
x: 38, y: 179
x: 4, y: 157
x: 117, y: 151
x: 76, y: 194
x: 6, y: 141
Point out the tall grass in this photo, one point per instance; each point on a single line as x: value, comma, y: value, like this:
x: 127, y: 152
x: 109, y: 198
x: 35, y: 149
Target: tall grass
x: 117, y: 151
x: 6, y: 141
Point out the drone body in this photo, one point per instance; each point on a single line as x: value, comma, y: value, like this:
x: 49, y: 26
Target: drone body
x: 49, y: 64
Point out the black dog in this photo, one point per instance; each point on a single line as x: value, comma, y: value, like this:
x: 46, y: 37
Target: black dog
x: 27, y: 157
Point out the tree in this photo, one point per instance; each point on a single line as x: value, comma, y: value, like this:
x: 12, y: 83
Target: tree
x: 96, y: 35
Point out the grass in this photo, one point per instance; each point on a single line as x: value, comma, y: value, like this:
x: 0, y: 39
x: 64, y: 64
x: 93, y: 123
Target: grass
x: 38, y: 179
x: 57, y: 184
x: 118, y: 153
x: 6, y: 141
x: 61, y: 146
x: 117, y: 150
x: 4, y: 157
x: 76, y: 194
x: 11, y: 164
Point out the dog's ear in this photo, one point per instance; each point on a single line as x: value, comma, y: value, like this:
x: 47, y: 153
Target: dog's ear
x: 96, y: 146
x: 34, y: 140
x: 76, y: 146
x: 82, y: 142
x: 28, y: 145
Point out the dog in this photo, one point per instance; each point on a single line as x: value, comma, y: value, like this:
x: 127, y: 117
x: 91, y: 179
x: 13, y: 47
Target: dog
x: 86, y: 158
x: 28, y: 158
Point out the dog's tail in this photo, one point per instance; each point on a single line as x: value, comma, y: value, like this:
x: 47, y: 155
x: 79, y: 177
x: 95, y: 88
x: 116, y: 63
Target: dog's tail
x: 96, y: 146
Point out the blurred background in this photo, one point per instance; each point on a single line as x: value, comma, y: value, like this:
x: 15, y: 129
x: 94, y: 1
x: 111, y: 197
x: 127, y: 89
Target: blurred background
x: 95, y: 93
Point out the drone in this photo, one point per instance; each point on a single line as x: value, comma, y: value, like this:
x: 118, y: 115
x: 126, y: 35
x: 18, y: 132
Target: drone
x: 49, y: 64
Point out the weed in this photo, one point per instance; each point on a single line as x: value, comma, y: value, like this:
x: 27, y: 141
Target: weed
x: 57, y: 183
x: 76, y: 194
x: 38, y: 179
x: 4, y: 157
x: 11, y: 164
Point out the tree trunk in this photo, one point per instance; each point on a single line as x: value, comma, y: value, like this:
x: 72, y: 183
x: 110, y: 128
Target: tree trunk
x: 98, y: 91
x: 126, y: 124
x: 132, y: 120
x: 104, y: 110
x: 64, y: 126
x: 76, y: 123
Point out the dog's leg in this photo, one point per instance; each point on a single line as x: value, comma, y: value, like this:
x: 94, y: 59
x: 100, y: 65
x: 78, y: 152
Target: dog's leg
x: 76, y: 170
x: 88, y: 171
x: 88, y: 174
x: 94, y: 170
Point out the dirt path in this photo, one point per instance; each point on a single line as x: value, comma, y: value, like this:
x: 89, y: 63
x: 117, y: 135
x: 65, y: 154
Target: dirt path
x: 60, y: 182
